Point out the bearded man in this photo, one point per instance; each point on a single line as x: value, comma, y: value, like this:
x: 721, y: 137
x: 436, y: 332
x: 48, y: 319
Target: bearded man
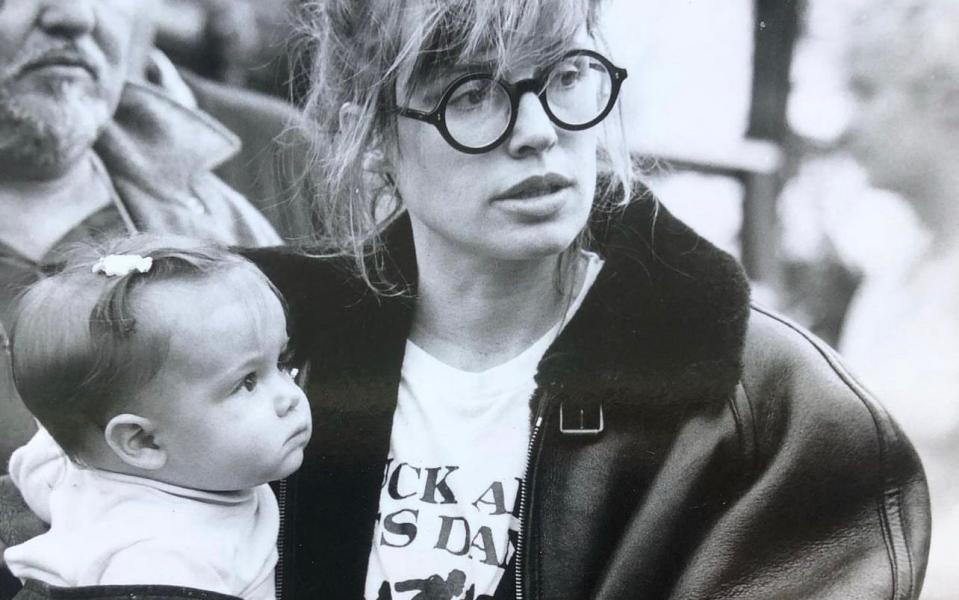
x: 85, y: 153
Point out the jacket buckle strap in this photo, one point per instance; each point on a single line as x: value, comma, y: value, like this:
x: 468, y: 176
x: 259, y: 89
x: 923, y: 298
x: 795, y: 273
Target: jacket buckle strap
x: 582, y: 420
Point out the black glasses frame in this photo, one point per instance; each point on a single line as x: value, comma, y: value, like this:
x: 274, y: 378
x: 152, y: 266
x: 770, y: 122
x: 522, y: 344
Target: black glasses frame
x: 515, y: 91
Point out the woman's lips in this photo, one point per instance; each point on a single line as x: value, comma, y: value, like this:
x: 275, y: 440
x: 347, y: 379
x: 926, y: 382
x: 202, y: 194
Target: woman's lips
x: 535, y: 198
x: 535, y: 207
x: 534, y: 187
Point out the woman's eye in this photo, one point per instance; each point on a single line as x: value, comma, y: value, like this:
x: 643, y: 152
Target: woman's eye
x: 471, y: 95
x: 570, y: 77
x: 567, y: 75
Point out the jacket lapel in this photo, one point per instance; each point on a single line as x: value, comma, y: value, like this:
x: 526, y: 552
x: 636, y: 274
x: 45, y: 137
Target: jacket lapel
x: 663, y: 323
x: 160, y: 155
x: 355, y: 341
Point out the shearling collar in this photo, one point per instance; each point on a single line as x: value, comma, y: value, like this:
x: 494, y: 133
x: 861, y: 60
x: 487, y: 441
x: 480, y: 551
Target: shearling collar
x: 664, y: 321
x: 662, y: 328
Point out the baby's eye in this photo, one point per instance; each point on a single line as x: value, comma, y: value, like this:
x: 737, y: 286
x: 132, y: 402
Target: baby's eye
x: 248, y: 383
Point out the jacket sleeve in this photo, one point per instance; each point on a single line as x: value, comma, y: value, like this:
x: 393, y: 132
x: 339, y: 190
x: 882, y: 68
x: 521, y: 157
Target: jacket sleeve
x: 835, y: 503
x: 35, y: 590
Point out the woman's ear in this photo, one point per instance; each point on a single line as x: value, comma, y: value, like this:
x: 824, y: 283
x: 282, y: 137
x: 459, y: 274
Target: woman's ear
x: 374, y: 159
x: 132, y: 439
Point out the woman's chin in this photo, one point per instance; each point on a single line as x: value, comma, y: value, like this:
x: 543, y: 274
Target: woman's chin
x: 538, y: 243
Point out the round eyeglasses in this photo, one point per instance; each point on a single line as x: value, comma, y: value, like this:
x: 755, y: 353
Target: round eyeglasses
x: 477, y: 112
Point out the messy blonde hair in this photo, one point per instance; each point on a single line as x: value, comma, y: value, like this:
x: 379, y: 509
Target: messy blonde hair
x: 356, y: 50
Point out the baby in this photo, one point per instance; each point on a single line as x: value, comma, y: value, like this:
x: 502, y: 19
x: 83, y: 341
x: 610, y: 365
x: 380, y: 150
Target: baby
x: 159, y: 369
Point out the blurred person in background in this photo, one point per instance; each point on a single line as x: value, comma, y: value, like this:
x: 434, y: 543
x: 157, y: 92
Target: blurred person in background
x: 85, y: 153
x: 240, y: 42
x: 268, y: 165
x: 902, y: 329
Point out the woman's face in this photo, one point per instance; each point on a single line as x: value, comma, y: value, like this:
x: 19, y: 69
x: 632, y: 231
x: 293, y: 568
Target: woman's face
x: 528, y: 198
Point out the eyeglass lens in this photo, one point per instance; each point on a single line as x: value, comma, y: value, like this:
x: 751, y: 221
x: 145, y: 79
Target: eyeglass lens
x: 479, y: 110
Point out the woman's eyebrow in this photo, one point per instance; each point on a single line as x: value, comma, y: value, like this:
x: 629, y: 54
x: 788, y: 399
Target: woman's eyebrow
x: 447, y: 73
x: 434, y: 82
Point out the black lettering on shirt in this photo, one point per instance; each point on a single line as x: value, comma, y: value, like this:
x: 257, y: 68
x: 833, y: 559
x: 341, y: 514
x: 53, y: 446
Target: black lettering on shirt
x: 493, y: 496
x: 435, y: 484
x: 393, y: 526
x: 446, y: 534
x: 394, y: 483
x: 483, y: 541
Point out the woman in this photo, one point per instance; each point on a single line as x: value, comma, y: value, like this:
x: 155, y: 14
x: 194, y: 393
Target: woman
x: 528, y: 381
x: 529, y: 384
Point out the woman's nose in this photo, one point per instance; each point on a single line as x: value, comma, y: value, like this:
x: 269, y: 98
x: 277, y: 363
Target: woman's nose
x: 533, y: 131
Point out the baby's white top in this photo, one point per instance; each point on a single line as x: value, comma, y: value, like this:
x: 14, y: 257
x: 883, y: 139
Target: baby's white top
x: 109, y: 528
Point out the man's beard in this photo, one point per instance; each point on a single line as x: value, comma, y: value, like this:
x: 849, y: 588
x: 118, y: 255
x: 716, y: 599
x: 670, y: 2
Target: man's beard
x: 45, y: 134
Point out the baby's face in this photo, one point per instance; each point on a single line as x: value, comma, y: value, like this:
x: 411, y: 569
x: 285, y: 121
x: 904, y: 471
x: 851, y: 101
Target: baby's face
x: 226, y: 408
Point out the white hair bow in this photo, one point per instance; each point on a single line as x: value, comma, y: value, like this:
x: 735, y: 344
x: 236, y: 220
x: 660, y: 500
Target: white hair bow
x: 119, y: 265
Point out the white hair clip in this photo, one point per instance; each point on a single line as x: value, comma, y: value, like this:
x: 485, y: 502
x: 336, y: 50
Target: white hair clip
x: 119, y: 265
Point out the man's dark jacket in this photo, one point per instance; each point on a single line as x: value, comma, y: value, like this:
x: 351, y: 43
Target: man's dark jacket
x: 736, y: 458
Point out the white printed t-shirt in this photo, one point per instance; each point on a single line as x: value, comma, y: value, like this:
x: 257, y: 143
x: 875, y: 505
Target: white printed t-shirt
x: 448, y: 522
x: 114, y: 529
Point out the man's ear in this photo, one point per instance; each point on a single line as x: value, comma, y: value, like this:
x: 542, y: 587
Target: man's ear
x: 132, y: 439
x: 375, y: 159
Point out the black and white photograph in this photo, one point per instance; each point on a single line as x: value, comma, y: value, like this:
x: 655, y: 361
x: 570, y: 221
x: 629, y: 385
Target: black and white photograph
x: 479, y: 299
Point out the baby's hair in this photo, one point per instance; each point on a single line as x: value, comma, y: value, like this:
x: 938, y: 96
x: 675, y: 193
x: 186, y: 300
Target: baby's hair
x: 79, y: 350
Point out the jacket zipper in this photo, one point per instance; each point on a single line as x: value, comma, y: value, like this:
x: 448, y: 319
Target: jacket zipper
x: 280, y: 538
x: 524, y: 494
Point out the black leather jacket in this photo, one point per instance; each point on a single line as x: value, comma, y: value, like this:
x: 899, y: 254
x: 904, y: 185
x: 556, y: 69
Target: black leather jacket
x: 686, y: 445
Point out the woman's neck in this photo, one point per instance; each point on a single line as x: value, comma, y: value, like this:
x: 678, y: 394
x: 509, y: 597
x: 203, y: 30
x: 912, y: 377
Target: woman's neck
x: 474, y: 313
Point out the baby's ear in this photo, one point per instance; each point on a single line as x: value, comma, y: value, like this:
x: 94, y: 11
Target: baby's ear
x: 131, y: 438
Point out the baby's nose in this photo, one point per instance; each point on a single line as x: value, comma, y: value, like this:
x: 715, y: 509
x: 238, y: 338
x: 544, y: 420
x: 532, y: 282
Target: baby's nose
x: 288, y: 398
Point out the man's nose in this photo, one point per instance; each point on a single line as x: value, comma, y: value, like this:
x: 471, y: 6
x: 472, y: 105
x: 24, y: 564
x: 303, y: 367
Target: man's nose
x: 533, y: 131
x: 69, y: 18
